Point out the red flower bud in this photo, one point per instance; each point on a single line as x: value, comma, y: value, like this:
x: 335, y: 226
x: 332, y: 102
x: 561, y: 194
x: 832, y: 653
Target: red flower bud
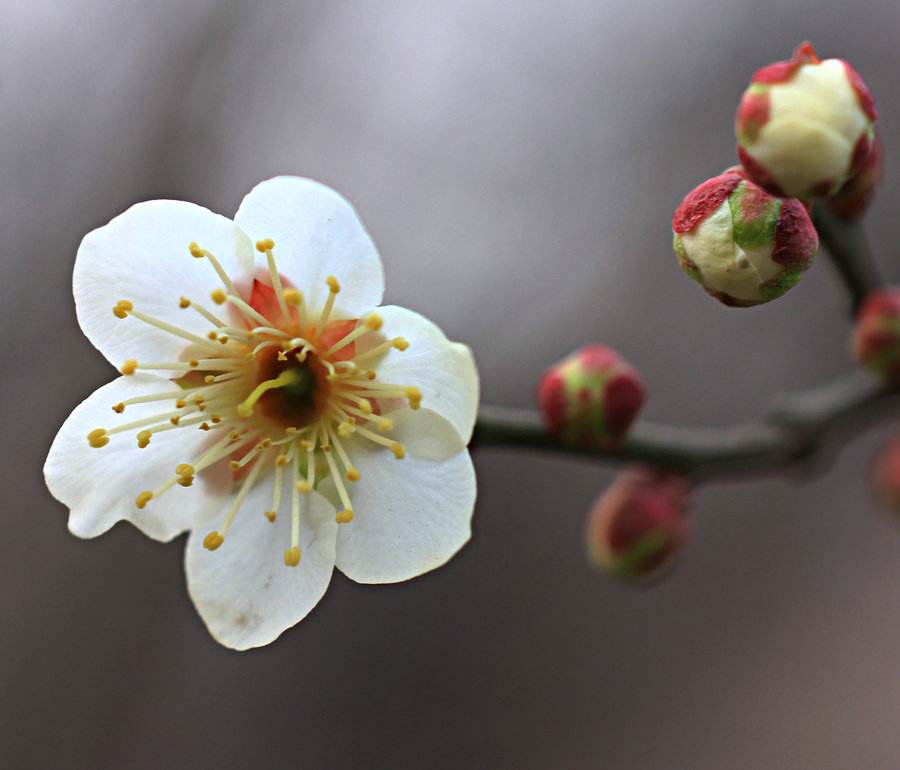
x: 886, y: 475
x: 591, y: 397
x: 853, y: 199
x: 638, y: 525
x: 743, y: 245
x: 876, y: 337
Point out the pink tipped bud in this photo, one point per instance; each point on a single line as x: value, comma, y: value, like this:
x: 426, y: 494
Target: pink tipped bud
x: 886, y: 475
x: 590, y: 398
x: 743, y: 245
x: 638, y: 526
x: 854, y: 197
x: 876, y: 336
x: 805, y: 126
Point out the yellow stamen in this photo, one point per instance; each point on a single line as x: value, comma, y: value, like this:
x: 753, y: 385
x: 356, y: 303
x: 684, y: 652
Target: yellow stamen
x: 184, y: 302
x: 333, y: 288
x: 212, y: 541
x: 122, y: 308
x: 118, y: 408
x: 414, y: 396
x: 129, y: 367
x: 292, y: 556
x: 218, y: 296
x: 143, y: 498
x: 98, y: 438
x: 287, y: 377
x: 344, y: 517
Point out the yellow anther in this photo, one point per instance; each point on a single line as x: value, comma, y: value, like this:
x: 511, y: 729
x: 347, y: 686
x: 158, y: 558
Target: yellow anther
x: 184, y: 302
x: 385, y: 424
x: 401, y: 343
x: 365, y: 406
x: 195, y: 250
x: 334, y: 285
x: 414, y: 396
x: 122, y: 307
x: 218, y: 296
x: 344, y: 517
x: 118, y: 408
x: 143, y: 438
x: 345, y: 429
x: 303, y: 486
x: 305, y: 444
x: 209, y: 379
x: 234, y: 465
x: 266, y: 244
x: 281, y: 459
x: 293, y: 296
x: 224, y: 339
x: 212, y: 336
x: 185, y: 469
x: 282, y: 356
x: 216, y: 419
x: 193, y: 363
x: 204, y: 426
x: 398, y: 450
x: 143, y: 498
x: 97, y: 438
x: 352, y: 474
x: 270, y: 515
x: 371, y: 375
x: 212, y: 541
x: 186, y: 481
x: 292, y: 556
x: 180, y: 403
x: 374, y: 322
x: 129, y: 367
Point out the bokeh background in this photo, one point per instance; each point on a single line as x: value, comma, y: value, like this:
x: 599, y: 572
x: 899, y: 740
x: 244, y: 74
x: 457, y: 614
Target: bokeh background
x: 517, y: 163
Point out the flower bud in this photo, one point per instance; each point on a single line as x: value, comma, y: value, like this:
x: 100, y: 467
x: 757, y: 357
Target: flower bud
x: 805, y: 126
x: 740, y: 243
x: 886, y: 475
x: 853, y: 199
x: 591, y: 397
x: 876, y: 336
x: 638, y: 526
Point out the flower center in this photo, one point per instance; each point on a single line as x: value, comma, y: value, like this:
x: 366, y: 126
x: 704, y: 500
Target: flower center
x: 282, y: 386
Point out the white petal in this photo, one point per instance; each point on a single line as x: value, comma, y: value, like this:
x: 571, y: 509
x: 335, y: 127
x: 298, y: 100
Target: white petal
x: 100, y: 485
x: 317, y: 233
x: 142, y: 256
x: 411, y: 515
x: 244, y: 592
x: 443, y: 370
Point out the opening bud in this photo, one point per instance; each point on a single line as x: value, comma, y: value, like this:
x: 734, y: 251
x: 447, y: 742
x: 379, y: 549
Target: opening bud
x: 854, y: 198
x: 743, y: 245
x: 876, y: 336
x: 805, y: 126
x: 638, y: 526
x: 591, y: 397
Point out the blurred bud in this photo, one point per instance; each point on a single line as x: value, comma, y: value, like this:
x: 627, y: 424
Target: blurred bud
x: 886, y: 475
x: 876, y: 336
x: 805, y: 126
x: 591, y: 397
x: 740, y: 243
x: 638, y: 526
x: 853, y: 199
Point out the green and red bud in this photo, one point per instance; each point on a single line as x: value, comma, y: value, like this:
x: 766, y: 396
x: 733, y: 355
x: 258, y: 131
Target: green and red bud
x: 743, y: 245
x: 876, y: 335
x: 639, y: 525
x: 805, y: 126
x: 853, y: 199
x: 591, y: 397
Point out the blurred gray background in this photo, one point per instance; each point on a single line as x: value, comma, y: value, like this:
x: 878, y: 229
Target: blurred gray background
x: 517, y: 164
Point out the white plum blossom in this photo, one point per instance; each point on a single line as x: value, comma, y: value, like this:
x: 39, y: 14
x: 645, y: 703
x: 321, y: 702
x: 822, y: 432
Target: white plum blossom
x: 267, y: 405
